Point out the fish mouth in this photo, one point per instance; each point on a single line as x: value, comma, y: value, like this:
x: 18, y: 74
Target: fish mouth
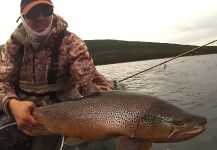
x: 186, y: 133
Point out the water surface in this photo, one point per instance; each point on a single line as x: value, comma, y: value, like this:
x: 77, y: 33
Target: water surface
x: 188, y: 82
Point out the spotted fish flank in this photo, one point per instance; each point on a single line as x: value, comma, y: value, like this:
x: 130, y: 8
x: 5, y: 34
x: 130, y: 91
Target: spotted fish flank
x: 121, y: 114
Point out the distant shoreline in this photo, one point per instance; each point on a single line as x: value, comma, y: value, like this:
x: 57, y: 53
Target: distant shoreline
x: 116, y: 51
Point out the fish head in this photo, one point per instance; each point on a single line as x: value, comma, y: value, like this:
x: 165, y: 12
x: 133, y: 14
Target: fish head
x: 186, y: 127
x: 168, y: 123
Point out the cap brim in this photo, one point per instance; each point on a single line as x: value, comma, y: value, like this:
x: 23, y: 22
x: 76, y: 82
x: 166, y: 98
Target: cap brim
x: 33, y: 4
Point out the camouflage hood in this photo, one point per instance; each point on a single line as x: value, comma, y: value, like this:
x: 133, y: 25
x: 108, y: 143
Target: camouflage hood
x: 59, y: 24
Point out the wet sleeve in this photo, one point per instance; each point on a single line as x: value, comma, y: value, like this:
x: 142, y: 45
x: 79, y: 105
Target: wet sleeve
x: 82, y: 67
x: 8, y: 74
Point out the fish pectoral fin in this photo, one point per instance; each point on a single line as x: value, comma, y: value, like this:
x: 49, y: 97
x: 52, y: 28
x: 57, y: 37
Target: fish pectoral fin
x: 72, y: 141
x: 128, y: 143
x: 41, y: 130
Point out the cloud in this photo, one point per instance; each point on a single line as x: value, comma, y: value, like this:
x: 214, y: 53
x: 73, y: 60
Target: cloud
x: 196, y: 30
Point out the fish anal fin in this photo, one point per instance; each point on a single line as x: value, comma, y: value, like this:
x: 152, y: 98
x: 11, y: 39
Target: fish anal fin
x: 128, y: 143
x: 145, y: 146
x: 41, y: 130
x: 72, y: 141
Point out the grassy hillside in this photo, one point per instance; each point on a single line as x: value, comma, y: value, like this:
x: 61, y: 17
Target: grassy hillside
x: 114, y: 51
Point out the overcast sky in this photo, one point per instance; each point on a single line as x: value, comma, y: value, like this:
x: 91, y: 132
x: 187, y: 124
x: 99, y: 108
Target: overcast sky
x: 165, y: 21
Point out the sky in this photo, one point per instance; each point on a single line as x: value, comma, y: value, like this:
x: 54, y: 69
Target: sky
x: 192, y: 22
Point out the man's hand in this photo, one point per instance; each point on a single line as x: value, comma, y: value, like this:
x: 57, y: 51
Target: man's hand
x: 21, y: 110
x: 90, y: 89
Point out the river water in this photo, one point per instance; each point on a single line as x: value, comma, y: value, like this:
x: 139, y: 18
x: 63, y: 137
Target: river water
x: 187, y: 82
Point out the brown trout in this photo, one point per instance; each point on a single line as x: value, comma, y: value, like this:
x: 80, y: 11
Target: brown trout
x: 134, y: 117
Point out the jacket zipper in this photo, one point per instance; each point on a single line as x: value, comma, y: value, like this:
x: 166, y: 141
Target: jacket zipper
x: 33, y: 65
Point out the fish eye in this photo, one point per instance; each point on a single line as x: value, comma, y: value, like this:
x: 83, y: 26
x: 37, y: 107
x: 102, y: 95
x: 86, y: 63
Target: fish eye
x: 187, y: 120
x: 178, y: 122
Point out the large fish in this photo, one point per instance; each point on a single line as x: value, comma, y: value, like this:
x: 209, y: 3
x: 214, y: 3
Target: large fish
x: 139, y: 120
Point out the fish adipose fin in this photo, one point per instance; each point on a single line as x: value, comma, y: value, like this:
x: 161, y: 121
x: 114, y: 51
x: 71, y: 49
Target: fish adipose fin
x: 127, y: 143
x: 41, y: 130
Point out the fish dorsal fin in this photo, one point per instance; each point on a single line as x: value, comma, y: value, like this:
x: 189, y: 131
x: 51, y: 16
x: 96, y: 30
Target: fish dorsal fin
x: 128, y: 143
x: 41, y: 130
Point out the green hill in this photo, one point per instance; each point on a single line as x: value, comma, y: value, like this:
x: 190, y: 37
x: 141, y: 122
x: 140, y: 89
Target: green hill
x: 115, y: 51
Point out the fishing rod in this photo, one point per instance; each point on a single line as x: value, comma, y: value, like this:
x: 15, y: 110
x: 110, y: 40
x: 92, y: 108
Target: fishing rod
x: 194, y: 49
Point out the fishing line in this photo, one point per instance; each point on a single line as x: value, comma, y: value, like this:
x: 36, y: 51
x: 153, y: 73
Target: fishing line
x: 14, y: 123
x: 183, y: 61
x: 194, y: 49
x: 8, y: 125
x: 63, y: 140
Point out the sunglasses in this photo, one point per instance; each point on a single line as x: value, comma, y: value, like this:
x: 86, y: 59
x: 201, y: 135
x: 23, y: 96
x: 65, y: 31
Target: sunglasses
x: 46, y: 11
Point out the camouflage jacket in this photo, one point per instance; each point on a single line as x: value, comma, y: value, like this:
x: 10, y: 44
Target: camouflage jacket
x: 74, y: 61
